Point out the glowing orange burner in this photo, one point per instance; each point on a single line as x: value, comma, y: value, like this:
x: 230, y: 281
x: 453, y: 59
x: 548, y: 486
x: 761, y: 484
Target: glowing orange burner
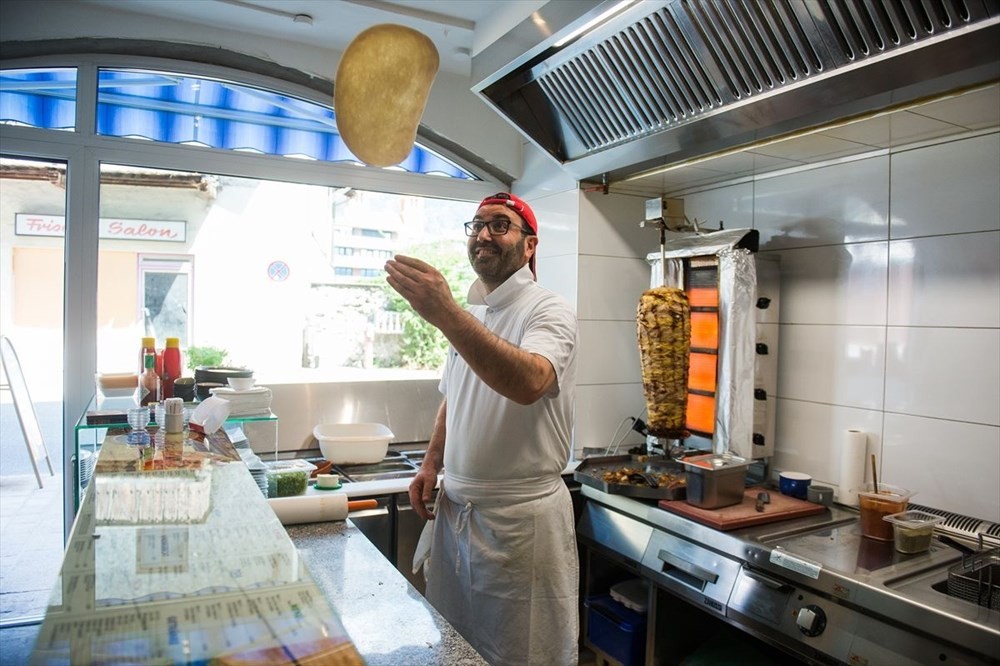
x: 702, y: 371
x: 703, y: 297
x: 701, y: 413
x: 705, y: 330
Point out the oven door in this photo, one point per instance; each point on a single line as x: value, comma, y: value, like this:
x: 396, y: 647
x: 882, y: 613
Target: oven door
x: 690, y: 571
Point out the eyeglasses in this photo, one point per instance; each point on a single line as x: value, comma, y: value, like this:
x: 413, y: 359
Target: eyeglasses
x: 498, y: 226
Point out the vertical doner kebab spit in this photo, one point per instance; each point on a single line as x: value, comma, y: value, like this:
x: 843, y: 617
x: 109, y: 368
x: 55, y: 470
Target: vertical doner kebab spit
x: 664, y: 330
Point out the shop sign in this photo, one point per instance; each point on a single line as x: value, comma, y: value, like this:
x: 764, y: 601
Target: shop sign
x: 111, y: 228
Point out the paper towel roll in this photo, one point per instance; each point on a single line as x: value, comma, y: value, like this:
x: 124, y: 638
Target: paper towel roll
x: 316, y: 508
x: 852, y: 466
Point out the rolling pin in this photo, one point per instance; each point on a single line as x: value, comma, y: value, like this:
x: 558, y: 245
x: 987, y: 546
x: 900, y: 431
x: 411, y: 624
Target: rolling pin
x: 316, y: 508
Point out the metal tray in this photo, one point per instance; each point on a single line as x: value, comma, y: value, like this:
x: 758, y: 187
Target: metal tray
x: 590, y: 472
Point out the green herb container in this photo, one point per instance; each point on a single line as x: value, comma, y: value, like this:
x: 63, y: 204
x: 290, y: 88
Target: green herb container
x: 287, y: 478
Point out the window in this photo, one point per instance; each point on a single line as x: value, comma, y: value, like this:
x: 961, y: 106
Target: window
x: 180, y: 254
x: 226, y: 211
x: 165, y: 297
x: 295, y: 301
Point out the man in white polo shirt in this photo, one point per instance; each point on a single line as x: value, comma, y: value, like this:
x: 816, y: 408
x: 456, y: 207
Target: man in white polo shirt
x: 503, y: 567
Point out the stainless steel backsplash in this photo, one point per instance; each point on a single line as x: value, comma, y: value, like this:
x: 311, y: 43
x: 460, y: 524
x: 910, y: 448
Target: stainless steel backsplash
x: 407, y: 407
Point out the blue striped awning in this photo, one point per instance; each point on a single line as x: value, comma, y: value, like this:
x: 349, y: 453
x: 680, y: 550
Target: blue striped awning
x: 176, y: 108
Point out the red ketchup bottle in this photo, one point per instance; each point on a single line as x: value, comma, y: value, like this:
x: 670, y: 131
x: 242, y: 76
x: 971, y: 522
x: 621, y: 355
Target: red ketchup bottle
x: 171, y: 367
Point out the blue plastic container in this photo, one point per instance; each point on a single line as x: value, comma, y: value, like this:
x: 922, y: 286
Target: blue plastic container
x: 618, y: 631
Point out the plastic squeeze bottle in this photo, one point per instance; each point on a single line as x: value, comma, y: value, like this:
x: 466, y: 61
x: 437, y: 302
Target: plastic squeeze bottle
x: 148, y: 347
x: 171, y: 367
x: 149, y: 383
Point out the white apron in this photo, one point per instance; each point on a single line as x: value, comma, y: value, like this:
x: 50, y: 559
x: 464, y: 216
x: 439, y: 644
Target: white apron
x: 504, y: 570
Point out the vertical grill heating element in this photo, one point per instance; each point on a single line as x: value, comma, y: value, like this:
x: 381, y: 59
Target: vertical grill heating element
x: 732, y: 372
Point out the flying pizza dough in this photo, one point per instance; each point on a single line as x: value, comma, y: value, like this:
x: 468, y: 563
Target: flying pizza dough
x: 382, y: 85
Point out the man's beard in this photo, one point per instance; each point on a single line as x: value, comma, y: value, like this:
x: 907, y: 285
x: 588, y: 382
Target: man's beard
x: 496, y: 266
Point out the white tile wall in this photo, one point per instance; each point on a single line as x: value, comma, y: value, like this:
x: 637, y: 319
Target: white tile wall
x: 946, y: 188
x: 732, y: 206
x: 558, y: 227
x: 926, y: 274
x: 836, y: 284
x: 811, y: 435
x: 950, y: 464
x: 610, y: 287
x: 609, y: 226
x: 600, y: 409
x: 948, y: 373
x: 559, y: 274
x: 841, y: 203
x: 613, y: 273
x: 837, y: 365
x: 898, y: 338
x: 609, y: 353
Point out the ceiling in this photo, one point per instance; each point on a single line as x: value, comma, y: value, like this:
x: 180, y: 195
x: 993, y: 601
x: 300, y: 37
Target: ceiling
x: 463, y: 28
x: 458, y: 28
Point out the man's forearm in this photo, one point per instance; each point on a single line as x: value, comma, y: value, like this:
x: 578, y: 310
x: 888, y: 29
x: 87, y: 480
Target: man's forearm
x: 434, y: 456
x: 510, y: 371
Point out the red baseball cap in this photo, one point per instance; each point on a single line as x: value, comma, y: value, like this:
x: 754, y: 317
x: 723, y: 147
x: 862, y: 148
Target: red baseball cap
x: 516, y: 204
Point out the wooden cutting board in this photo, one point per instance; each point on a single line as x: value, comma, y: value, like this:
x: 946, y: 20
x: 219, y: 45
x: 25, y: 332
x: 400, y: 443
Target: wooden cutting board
x: 745, y: 514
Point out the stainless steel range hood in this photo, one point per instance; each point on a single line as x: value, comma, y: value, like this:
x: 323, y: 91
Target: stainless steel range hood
x: 665, y: 81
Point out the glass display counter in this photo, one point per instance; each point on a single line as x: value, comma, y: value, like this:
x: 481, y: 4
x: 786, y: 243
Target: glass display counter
x: 92, y: 428
x: 176, y: 557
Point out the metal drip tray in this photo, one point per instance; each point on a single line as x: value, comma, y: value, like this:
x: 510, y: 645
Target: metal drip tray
x: 395, y: 465
x: 399, y: 468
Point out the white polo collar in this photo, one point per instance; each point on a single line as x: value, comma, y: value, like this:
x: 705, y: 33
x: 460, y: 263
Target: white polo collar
x: 503, y: 294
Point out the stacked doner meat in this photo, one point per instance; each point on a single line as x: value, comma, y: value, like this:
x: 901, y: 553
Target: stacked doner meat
x: 664, y: 329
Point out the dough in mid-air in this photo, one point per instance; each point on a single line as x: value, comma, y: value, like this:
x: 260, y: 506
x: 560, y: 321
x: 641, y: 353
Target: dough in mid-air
x: 383, y: 81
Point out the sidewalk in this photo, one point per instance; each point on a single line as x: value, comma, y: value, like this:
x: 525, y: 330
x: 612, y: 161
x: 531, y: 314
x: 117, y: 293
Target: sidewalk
x: 31, y: 544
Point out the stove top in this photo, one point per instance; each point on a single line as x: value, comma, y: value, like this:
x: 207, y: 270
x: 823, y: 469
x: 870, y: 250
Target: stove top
x: 814, y: 584
x: 844, y: 549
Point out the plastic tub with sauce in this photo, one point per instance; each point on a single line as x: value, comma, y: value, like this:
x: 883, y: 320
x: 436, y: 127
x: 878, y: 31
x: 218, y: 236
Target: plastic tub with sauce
x: 876, y: 506
x: 912, y: 530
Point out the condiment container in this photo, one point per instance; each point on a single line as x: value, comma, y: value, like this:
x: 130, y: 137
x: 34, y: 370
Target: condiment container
x: 876, y: 506
x: 148, y: 347
x: 286, y: 478
x: 912, y: 530
x: 794, y: 484
x: 715, y: 480
x: 171, y: 370
x: 820, y: 495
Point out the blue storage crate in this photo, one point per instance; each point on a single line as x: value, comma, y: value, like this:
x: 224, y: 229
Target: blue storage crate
x: 618, y: 631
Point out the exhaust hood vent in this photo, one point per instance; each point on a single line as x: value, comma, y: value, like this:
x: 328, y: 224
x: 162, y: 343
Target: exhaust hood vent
x: 669, y: 80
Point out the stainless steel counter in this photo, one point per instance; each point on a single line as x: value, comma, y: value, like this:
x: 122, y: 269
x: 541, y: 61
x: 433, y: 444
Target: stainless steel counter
x: 812, y: 585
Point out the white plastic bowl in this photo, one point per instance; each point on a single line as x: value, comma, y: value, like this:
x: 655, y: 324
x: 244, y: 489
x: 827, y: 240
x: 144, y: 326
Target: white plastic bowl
x: 241, y: 383
x: 353, y: 443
